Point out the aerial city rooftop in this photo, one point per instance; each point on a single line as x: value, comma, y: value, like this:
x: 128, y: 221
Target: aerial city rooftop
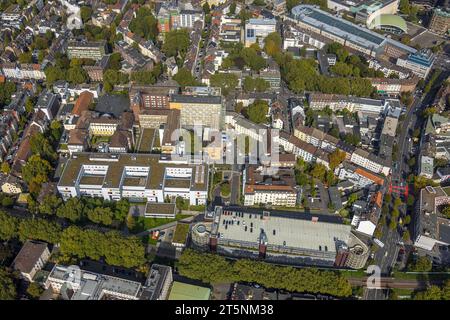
x: 143, y: 143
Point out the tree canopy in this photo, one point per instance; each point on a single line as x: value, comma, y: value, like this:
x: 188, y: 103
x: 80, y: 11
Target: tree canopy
x: 185, y: 78
x: 145, y: 24
x: 7, y: 286
x: 176, y: 43
x: 212, y: 268
x: 257, y: 111
x: 225, y: 81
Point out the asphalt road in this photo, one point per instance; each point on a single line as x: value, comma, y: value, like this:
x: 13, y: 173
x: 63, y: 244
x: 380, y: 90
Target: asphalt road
x: 386, y: 257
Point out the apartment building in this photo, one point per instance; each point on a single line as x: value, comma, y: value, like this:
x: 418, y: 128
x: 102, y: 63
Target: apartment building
x: 188, y: 17
x: 137, y: 177
x: 23, y: 71
x: 431, y: 227
x: 318, y: 101
x: 394, y: 87
x: 275, y: 195
x: 369, y: 161
x: 31, y: 258
x: 358, y: 176
x: 206, y: 111
x: 440, y: 21
x: 269, y: 185
x: 48, y: 103
x: 294, y: 145
x: 241, y: 125
x: 420, y: 63
x: 150, y: 97
x: 95, y: 50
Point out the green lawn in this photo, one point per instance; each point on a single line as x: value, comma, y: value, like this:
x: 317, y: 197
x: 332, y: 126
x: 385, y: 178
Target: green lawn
x: 403, y: 293
x: 181, y: 232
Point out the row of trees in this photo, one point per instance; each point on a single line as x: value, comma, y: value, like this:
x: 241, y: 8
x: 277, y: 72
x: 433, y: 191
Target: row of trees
x: 6, y: 90
x: 255, y: 84
x: 96, y: 210
x: 65, y: 69
x: 211, y: 268
x: 301, y: 75
x: 242, y: 57
x: 434, y: 293
x: 76, y: 242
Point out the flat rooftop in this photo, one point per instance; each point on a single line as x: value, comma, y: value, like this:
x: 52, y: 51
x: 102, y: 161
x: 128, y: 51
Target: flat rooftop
x: 343, y: 29
x: 160, y: 208
x: 293, y: 229
x: 95, y: 286
x: 115, y: 165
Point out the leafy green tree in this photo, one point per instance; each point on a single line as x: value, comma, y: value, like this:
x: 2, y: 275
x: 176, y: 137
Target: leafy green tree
x: 101, y: 215
x: 77, y: 75
x: 446, y: 211
x: 6, y: 90
x: 184, y: 78
x: 145, y: 24
x: 352, y: 198
x: 253, y: 59
x: 36, y: 170
x: 25, y: 57
x: 212, y: 268
x: 272, y: 43
x: 50, y: 204
x: 7, y: 286
x: 257, y: 111
x: 115, y: 61
x: 8, y: 226
x: 225, y: 81
x: 143, y: 77
x: 336, y: 158
x: 116, y: 249
x: 53, y: 74
x: 86, y: 13
x: 432, y: 293
x: 39, y: 229
x: 41, y: 146
x: 206, y: 8
x: 422, y: 264
x: 255, y: 84
x: 232, y: 8
x: 318, y: 171
x: 406, y: 236
x: 73, y: 210
x: 176, y: 43
x: 34, y: 290
x: 6, y: 169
